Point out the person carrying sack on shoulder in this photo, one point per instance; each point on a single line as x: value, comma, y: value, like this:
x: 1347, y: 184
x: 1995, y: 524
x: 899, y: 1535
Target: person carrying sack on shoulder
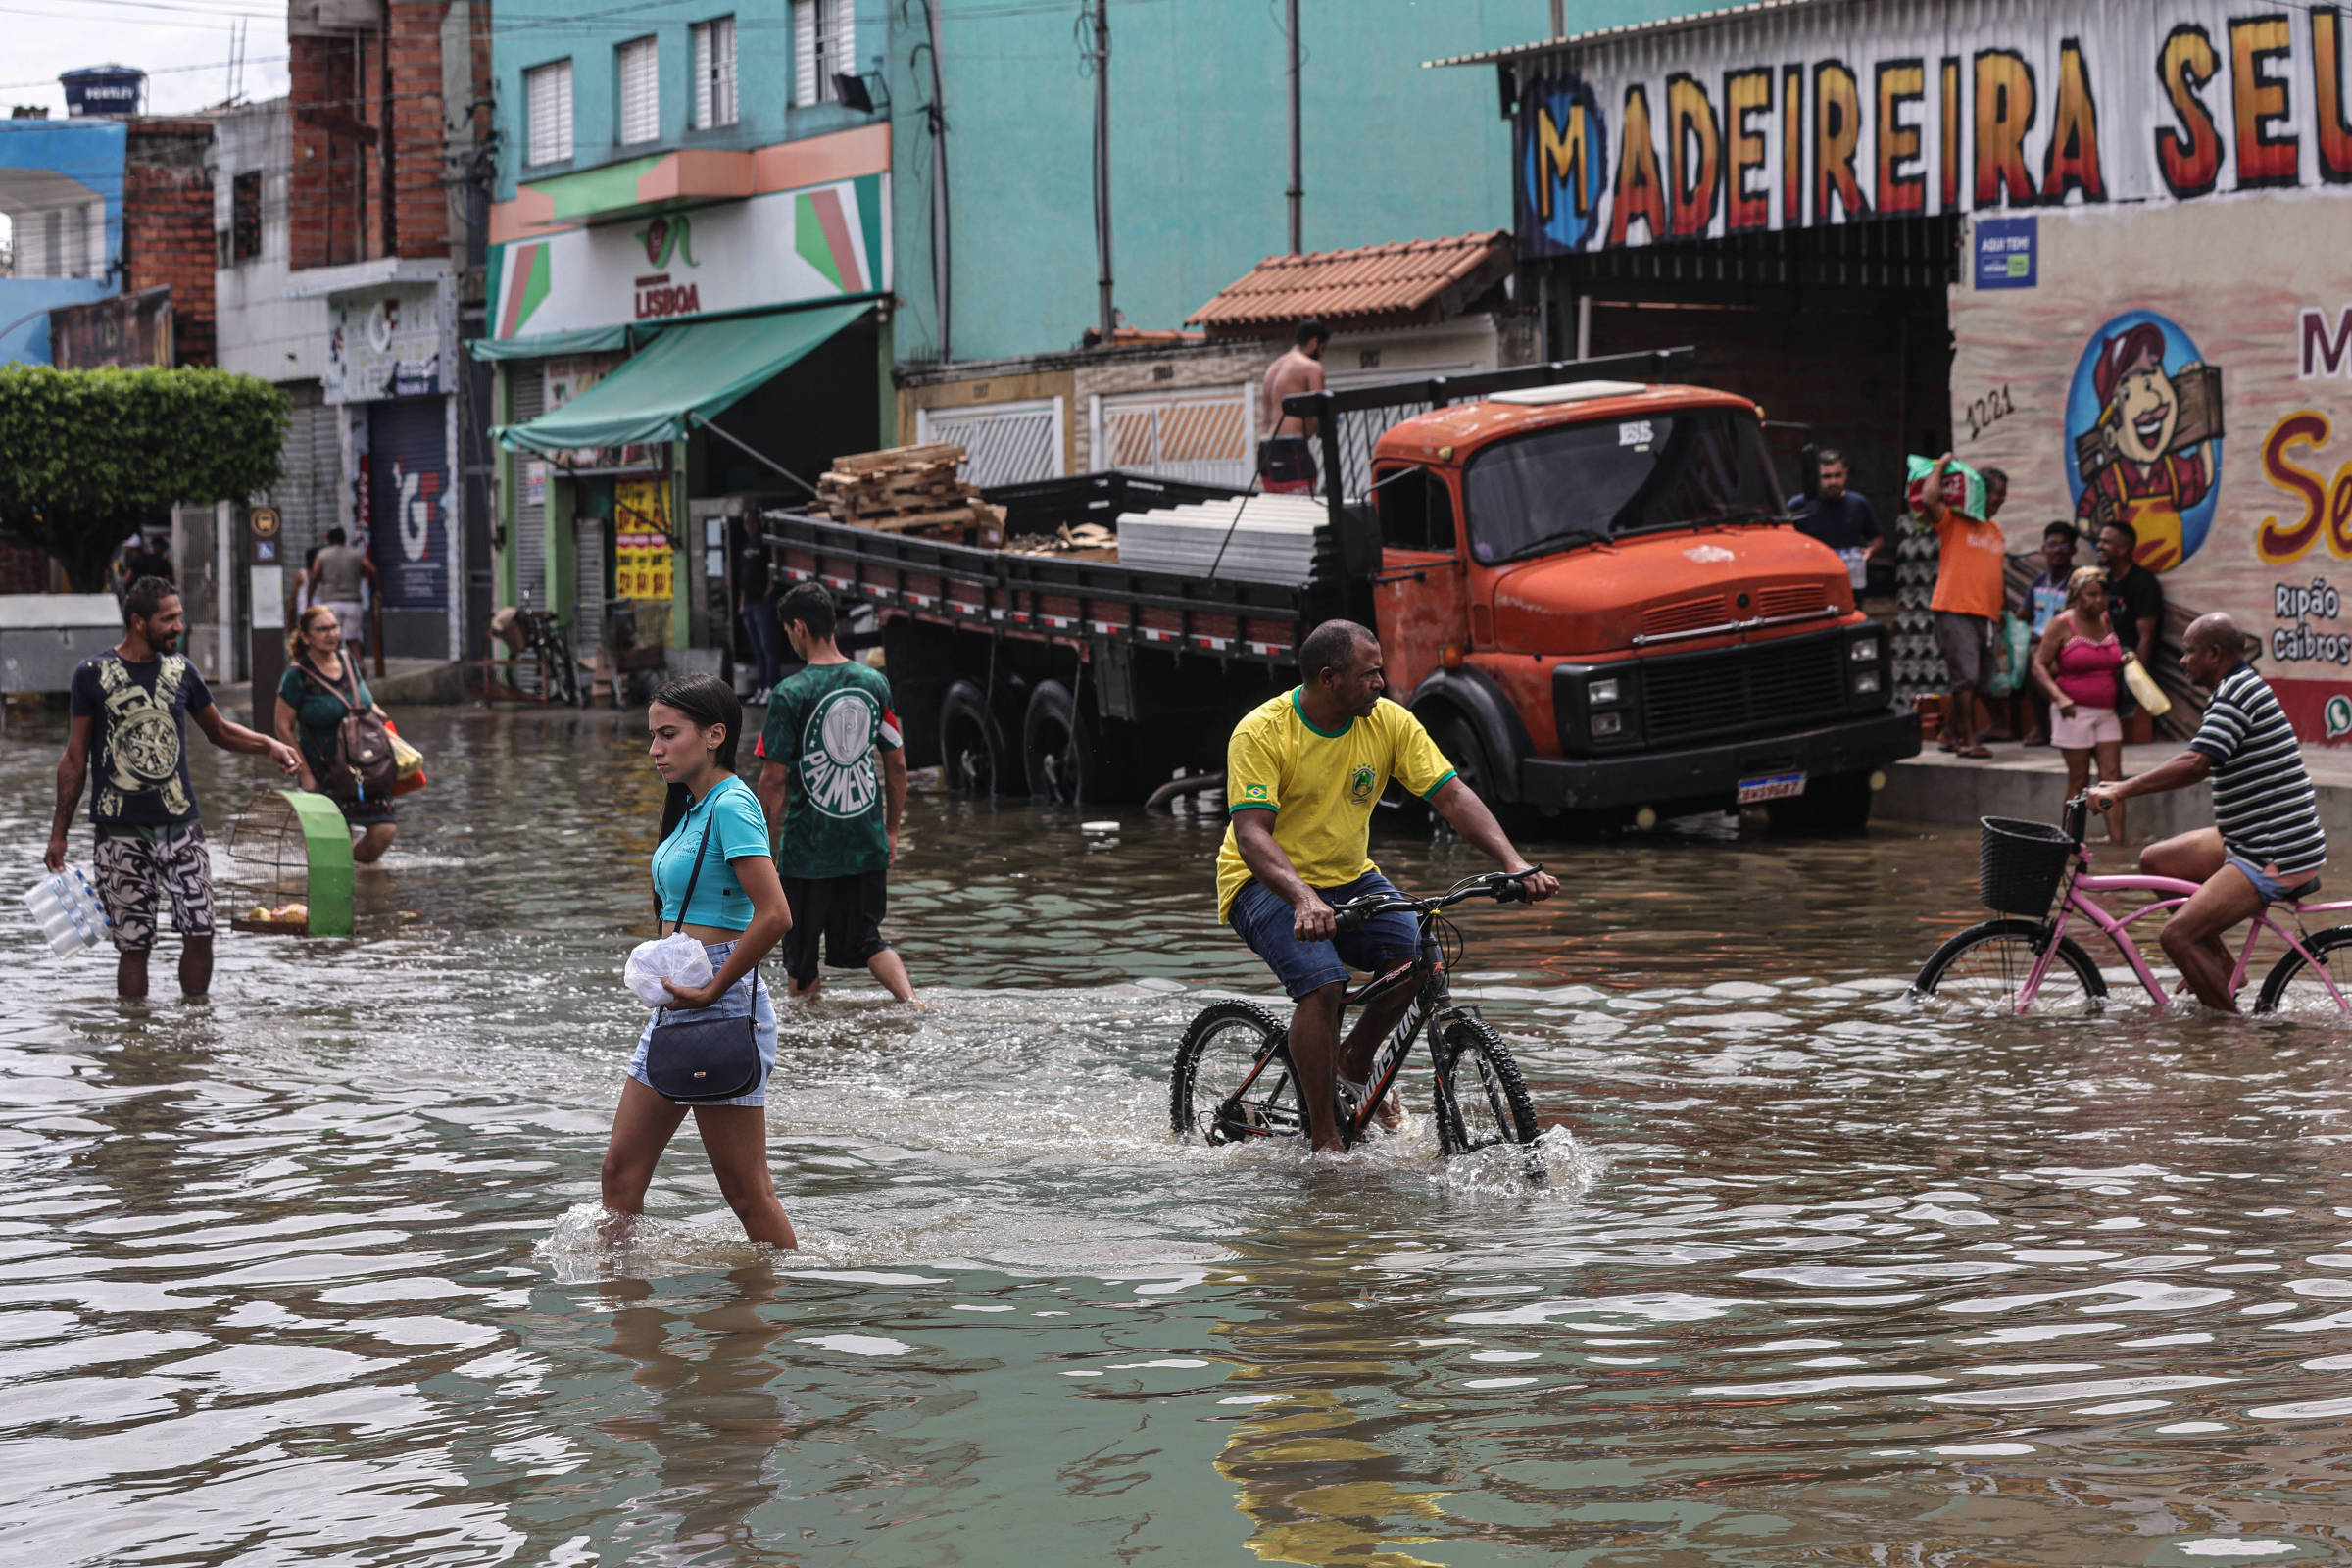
x: 716, y: 879
x: 326, y: 711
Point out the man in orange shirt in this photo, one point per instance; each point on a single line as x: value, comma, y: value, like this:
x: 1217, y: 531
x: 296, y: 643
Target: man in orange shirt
x: 1970, y: 591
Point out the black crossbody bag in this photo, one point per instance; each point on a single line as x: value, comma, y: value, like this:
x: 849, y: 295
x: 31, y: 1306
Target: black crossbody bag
x: 696, y: 1056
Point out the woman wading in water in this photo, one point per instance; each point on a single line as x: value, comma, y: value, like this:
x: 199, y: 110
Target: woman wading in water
x: 738, y: 913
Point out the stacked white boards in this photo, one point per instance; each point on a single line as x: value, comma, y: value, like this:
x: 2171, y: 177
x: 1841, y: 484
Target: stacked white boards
x: 1270, y: 539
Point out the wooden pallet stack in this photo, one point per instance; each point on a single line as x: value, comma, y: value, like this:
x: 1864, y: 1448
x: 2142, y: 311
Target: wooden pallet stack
x: 911, y: 490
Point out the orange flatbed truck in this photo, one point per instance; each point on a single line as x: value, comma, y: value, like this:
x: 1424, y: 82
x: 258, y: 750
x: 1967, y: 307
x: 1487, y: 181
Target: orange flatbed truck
x: 1585, y: 585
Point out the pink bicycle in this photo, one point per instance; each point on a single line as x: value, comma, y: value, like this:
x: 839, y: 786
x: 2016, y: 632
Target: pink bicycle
x: 2014, y: 965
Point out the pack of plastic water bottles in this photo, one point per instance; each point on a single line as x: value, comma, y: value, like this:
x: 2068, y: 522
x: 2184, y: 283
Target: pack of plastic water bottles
x: 67, y: 909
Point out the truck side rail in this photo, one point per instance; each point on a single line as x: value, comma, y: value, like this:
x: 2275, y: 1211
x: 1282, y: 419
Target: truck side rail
x: 1351, y: 422
x: 1050, y: 598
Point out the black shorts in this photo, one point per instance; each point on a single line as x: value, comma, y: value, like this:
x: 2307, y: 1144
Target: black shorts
x: 846, y: 911
x: 1286, y: 460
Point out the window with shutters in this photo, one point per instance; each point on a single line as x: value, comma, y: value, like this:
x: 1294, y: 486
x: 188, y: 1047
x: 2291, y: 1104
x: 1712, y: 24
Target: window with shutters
x: 546, y: 100
x: 640, y: 67
x: 824, y: 44
x: 714, y: 73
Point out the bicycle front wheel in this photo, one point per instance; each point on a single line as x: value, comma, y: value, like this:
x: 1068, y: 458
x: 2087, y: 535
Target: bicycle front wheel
x: 1481, y: 1099
x: 1233, y: 1078
x: 2315, y: 989
x: 1985, y: 969
x: 567, y: 673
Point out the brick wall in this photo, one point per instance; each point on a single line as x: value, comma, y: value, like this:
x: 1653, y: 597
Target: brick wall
x: 168, y: 227
x: 372, y: 128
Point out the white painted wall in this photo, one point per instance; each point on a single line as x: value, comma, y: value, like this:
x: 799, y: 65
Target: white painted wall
x: 262, y: 332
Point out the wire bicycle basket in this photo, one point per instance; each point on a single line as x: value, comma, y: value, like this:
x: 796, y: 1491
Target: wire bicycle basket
x: 2020, y: 864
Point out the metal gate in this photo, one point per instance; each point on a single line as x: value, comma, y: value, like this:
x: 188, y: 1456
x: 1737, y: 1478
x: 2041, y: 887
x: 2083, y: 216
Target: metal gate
x: 411, y: 531
x: 1005, y: 443
x: 526, y: 386
x: 1208, y: 436
x: 308, y: 494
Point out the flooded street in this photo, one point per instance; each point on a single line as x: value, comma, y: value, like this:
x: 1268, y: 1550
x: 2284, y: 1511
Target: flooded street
x: 308, y: 1273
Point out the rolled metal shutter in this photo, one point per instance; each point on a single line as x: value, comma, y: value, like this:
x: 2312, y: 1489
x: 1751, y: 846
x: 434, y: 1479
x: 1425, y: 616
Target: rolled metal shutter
x: 528, y: 387
x: 413, y: 523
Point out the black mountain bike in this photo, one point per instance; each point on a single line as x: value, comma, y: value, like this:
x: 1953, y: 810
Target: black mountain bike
x: 541, y: 634
x: 1234, y: 1078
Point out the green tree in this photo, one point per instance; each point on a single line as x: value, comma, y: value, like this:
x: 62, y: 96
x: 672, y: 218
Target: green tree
x: 87, y: 456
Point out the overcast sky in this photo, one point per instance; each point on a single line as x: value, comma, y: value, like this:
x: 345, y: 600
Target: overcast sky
x: 183, y: 45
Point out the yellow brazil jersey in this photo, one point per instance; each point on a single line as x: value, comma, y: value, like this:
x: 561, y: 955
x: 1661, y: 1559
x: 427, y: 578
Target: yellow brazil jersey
x: 1320, y: 785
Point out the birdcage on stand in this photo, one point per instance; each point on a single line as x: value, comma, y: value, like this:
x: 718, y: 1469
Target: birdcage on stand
x: 288, y: 868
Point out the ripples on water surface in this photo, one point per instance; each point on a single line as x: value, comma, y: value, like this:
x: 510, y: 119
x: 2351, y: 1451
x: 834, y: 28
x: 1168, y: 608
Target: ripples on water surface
x: 302, y: 1276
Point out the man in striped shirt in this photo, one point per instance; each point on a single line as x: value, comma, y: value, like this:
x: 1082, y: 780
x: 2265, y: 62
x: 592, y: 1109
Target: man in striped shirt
x: 2265, y: 843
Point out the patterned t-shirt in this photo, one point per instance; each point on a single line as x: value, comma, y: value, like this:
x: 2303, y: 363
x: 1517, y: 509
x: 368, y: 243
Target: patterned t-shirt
x: 138, y: 741
x: 829, y: 725
x: 2262, y: 797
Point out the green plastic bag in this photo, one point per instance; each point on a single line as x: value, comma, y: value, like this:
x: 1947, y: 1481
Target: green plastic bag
x: 2011, y: 649
x: 1963, y: 486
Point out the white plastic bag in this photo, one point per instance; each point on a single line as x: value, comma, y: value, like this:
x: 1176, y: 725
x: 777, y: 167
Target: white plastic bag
x: 676, y: 957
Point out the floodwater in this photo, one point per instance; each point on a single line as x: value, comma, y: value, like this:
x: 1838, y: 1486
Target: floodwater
x: 305, y: 1275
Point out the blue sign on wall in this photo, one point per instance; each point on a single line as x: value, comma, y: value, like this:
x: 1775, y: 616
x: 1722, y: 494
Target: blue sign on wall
x: 2005, y: 251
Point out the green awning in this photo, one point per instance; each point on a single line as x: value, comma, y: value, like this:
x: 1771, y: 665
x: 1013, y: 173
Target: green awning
x: 547, y: 345
x: 696, y: 370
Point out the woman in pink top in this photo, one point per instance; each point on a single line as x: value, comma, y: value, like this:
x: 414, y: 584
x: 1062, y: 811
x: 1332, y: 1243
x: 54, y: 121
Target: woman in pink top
x: 2078, y: 667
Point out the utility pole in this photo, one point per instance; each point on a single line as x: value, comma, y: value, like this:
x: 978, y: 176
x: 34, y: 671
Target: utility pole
x: 1110, y: 316
x: 942, y: 270
x: 1298, y: 190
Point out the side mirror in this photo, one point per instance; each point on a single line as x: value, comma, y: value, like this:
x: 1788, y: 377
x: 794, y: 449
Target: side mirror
x: 1360, y: 539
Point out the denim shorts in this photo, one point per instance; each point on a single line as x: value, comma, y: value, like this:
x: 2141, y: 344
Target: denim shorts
x: 749, y: 992
x: 1267, y: 925
x: 2267, y: 887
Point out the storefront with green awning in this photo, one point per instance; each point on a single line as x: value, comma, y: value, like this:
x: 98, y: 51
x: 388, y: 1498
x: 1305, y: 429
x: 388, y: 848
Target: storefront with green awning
x: 661, y: 368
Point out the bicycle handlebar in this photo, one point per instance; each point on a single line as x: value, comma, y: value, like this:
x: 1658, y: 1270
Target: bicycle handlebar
x: 1504, y: 887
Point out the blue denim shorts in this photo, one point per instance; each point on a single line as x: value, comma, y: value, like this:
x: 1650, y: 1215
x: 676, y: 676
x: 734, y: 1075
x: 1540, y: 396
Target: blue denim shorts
x: 749, y: 992
x: 2267, y: 887
x: 1267, y: 925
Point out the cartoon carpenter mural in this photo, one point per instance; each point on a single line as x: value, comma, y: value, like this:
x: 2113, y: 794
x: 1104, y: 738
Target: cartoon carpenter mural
x: 2144, y: 423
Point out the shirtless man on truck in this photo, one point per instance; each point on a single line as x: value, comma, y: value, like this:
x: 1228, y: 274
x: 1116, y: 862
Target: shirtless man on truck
x: 1286, y: 460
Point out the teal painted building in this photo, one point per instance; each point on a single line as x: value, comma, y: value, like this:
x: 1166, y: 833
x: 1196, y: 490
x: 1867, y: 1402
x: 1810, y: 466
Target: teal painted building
x: 1199, y: 149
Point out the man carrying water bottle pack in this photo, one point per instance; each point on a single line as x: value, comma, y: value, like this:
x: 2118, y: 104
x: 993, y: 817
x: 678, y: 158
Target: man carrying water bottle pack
x: 131, y: 706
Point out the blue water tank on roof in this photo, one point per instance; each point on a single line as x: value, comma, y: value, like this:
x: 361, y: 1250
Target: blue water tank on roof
x: 103, y: 90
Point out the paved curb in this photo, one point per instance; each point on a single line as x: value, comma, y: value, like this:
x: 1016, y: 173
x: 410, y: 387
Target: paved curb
x: 1940, y: 789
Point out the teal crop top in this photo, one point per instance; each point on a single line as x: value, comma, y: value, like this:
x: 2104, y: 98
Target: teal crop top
x: 738, y: 830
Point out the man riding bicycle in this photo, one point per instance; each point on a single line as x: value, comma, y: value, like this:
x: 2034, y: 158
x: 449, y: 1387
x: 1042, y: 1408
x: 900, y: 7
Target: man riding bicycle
x: 1302, y: 774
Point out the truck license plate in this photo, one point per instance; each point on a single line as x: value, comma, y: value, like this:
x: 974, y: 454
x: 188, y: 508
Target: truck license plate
x: 1774, y: 787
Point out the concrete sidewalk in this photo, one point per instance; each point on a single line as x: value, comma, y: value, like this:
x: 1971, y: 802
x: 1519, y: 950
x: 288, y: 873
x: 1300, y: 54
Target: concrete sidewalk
x: 1940, y: 789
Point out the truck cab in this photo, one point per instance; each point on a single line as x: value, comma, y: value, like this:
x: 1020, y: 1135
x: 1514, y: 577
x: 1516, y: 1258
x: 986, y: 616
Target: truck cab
x: 1592, y: 595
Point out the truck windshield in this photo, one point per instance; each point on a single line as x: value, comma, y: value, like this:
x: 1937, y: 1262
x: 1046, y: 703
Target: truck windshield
x: 1555, y: 488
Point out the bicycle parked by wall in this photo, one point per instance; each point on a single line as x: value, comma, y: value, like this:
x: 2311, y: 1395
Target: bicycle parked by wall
x: 541, y: 634
x: 2034, y: 966
x: 1234, y: 1081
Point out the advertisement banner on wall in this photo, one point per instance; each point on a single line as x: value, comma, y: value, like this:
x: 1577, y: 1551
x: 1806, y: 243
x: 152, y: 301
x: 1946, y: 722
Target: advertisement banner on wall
x: 642, y: 555
x: 793, y: 247
x: 393, y: 342
x: 2187, y: 373
x: 1843, y: 114
x: 408, y: 470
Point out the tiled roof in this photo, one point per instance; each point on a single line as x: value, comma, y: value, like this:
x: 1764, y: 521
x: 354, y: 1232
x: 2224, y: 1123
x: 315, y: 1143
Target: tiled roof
x: 1409, y: 282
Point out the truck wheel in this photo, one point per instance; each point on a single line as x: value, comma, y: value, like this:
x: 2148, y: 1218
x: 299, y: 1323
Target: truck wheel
x: 1471, y: 765
x: 971, y: 746
x: 1058, y: 750
x: 1839, y: 803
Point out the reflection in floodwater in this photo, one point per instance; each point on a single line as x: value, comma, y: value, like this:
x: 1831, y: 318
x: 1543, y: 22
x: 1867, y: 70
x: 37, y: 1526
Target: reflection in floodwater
x: 310, y: 1272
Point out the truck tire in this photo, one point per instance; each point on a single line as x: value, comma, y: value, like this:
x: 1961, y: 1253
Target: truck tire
x: 1471, y: 765
x: 1058, y: 748
x: 971, y: 746
x: 1838, y: 803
